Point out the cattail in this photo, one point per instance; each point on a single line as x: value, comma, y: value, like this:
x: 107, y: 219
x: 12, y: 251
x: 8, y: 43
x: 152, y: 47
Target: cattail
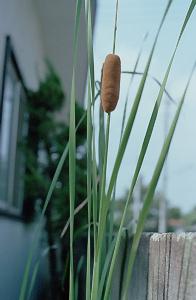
x: 110, y: 85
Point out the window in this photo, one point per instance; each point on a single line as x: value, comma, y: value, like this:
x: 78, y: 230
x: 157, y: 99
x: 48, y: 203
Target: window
x: 13, y: 128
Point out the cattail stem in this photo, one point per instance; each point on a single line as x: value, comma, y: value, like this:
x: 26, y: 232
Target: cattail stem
x: 103, y: 179
x: 115, y: 28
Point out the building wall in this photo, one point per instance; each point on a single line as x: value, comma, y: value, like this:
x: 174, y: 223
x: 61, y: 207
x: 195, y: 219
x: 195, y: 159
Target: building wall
x: 39, y: 29
x: 57, y: 23
x: 18, y: 18
x: 16, y: 241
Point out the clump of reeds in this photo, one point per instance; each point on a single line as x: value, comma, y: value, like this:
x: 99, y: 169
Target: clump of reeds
x: 100, y: 267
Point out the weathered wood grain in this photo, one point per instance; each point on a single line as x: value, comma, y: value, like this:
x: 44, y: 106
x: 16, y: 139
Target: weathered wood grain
x: 139, y: 283
x: 172, y: 265
x: 190, y: 289
x: 164, y: 269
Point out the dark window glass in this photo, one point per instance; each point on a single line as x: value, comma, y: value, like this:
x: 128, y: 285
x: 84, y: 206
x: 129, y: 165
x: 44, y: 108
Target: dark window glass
x: 12, y: 130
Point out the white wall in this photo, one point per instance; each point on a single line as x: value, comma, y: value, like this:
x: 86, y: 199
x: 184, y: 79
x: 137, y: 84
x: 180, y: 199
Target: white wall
x: 18, y: 18
x: 57, y: 21
x: 39, y: 29
x: 43, y: 29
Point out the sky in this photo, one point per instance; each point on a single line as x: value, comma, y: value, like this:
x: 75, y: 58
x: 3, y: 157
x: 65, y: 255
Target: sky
x: 135, y: 19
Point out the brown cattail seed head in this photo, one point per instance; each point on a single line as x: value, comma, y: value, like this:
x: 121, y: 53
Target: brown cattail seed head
x: 110, y: 86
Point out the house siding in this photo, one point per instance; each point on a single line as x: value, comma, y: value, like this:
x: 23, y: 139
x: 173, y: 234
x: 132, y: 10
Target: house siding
x: 18, y: 18
x: 57, y: 23
x: 39, y: 29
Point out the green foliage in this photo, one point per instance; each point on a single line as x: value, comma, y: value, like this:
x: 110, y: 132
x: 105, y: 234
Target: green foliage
x: 100, y: 266
x: 190, y: 218
x: 49, y: 96
x: 44, y: 146
x: 175, y: 213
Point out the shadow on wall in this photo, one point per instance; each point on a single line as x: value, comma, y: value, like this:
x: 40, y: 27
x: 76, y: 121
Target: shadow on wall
x: 15, y: 241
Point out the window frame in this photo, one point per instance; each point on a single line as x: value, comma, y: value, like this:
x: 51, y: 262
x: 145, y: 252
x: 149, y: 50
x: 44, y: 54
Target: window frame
x: 7, y: 208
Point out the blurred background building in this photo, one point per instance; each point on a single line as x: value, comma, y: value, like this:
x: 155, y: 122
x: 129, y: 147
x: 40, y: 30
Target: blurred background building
x: 31, y: 32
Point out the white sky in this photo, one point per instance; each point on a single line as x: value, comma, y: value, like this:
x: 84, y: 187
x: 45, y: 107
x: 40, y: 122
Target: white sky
x: 136, y: 17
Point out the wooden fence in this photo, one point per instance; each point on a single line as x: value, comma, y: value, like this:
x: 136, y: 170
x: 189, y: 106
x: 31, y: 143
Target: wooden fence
x: 165, y: 268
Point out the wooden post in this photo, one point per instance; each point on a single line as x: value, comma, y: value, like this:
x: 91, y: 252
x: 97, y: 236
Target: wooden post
x: 165, y: 268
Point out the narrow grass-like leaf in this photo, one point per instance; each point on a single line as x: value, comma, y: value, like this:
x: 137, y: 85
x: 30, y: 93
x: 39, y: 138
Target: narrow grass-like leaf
x: 122, y: 147
x: 129, y: 86
x: 72, y: 150
x: 34, y: 276
x: 88, y: 9
x: 155, y: 80
x: 97, y: 258
x: 133, y: 112
x: 140, y: 161
x: 115, y: 28
x: 103, y: 178
x: 72, y: 167
x: 95, y: 194
x: 123, y: 264
x: 46, y: 202
x: 101, y: 139
x: 105, y: 268
x: 94, y: 164
x: 150, y: 192
x: 111, y: 210
x: 91, y: 156
x: 189, y: 13
x: 76, y: 211
x: 76, y: 286
x: 24, y: 284
x: 89, y: 182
